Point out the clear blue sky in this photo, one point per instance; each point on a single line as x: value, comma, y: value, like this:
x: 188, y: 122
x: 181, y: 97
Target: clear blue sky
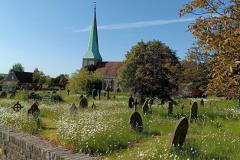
x: 52, y: 35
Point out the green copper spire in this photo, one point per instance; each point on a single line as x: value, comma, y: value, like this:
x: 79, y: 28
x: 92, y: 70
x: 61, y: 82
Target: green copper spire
x: 93, y: 50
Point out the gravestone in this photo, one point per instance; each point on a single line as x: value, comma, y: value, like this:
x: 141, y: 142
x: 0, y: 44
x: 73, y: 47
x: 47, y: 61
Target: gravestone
x: 170, y: 108
x: 17, y: 107
x: 73, y: 108
x: 131, y: 102
x: 140, y: 98
x: 202, y: 103
x: 135, y: 103
x: 99, y: 94
x: 94, y: 93
x: 145, y: 107
x: 193, y: 113
x: 93, y: 106
x: 81, y: 96
x: 136, y: 122
x: 34, y: 110
x: 150, y: 102
x: 107, y: 90
x: 83, y: 103
x: 180, y: 133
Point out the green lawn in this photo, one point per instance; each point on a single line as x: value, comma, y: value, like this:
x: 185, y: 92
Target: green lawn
x: 105, y: 131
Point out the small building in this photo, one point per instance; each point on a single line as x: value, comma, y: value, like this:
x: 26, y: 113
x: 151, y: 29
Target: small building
x: 17, y: 80
x: 92, y: 60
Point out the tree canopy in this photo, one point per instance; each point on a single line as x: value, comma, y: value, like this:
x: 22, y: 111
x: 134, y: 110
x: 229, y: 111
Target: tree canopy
x: 83, y: 80
x: 149, y: 69
x: 17, y: 67
x: 217, y: 32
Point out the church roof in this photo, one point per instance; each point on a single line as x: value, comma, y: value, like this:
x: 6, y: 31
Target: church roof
x: 93, y: 49
x: 109, y: 69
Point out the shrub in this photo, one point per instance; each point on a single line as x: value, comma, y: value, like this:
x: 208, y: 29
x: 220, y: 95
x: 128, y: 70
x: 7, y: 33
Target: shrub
x: 56, y: 98
x: 3, y: 94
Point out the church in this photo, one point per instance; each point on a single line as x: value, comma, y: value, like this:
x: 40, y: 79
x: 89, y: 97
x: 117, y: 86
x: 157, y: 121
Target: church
x: 92, y: 60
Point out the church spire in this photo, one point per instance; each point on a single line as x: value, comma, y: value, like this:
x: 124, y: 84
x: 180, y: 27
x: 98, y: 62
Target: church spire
x: 93, y: 49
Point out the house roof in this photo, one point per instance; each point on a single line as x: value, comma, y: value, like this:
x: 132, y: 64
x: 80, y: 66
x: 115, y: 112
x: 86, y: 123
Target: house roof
x: 109, y: 69
x: 24, y: 77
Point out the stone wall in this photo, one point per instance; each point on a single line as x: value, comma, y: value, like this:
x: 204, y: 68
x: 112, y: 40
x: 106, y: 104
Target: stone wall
x: 17, y: 145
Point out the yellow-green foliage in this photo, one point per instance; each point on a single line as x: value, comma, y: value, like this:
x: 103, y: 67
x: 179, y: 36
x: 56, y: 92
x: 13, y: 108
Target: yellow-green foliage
x: 79, y: 80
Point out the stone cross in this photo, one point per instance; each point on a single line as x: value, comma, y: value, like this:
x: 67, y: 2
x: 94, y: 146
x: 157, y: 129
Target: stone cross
x: 17, y: 107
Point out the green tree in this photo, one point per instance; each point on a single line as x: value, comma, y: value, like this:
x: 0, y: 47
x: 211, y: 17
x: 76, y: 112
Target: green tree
x: 17, y: 67
x: 83, y: 80
x: 150, y: 69
x: 39, y: 78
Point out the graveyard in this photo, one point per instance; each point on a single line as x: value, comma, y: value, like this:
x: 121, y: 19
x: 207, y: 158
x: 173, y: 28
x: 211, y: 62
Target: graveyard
x: 153, y: 80
x: 106, y: 132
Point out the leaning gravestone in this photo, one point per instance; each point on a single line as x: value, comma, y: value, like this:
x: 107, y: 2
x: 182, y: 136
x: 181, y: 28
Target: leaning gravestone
x: 17, y: 107
x: 136, y: 122
x: 83, y: 103
x: 145, y: 107
x: 202, y: 103
x: 73, y: 108
x: 180, y: 133
x: 131, y: 102
x: 34, y: 110
x: 170, y: 108
x: 194, y: 110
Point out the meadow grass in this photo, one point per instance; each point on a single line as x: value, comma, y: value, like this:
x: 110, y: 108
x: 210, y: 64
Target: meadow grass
x: 105, y: 131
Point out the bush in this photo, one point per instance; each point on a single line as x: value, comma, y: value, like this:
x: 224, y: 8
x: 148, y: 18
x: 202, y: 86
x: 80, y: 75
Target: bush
x: 56, y: 98
x: 3, y: 94
x: 34, y: 96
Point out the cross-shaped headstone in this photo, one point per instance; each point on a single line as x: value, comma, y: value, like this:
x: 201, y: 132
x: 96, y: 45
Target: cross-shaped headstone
x: 17, y: 107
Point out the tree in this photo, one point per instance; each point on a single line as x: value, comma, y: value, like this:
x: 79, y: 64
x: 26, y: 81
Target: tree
x: 39, y: 78
x: 217, y: 32
x: 83, y: 80
x: 17, y: 68
x: 150, y: 69
x: 193, y: 77
x: 60, y: 81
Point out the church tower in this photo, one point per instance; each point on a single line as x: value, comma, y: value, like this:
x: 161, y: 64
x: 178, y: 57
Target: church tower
x: 92, y: 56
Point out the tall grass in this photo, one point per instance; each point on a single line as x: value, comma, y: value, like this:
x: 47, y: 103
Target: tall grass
x: 106, y: 131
